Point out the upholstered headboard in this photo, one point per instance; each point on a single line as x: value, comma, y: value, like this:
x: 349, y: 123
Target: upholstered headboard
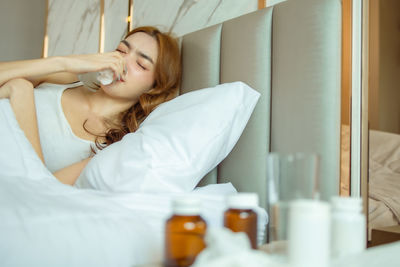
x: 291, y: 55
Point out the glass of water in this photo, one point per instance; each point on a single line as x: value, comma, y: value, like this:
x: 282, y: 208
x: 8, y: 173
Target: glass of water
x: 291, y: 176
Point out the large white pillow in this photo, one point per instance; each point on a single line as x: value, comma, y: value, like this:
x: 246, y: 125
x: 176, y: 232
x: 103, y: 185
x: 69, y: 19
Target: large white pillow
x: 177, y: 145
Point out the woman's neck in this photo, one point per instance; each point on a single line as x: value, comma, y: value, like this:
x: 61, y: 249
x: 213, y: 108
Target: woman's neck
x: 103, y: 106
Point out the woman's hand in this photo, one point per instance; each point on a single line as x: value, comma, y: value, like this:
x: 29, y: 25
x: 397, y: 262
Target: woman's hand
x: 95, y: 62
x: 61, y: 69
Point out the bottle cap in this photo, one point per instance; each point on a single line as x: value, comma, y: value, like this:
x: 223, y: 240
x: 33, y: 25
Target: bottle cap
x: 242, y: 201
x: 309, y: 207
x: 186, y: 205
x: 353, y: 204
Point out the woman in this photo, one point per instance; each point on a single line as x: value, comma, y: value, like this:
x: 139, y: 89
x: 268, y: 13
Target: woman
x: 72, y: 119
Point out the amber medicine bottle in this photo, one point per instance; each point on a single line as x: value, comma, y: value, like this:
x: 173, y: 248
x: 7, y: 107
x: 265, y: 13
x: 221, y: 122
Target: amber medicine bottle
x: 240, y: 215
x: 184, y: 233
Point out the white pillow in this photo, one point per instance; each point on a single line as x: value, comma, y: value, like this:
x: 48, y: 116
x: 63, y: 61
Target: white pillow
x: 177, y: 145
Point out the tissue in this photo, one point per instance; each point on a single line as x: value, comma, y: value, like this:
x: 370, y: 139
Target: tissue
x: 228, y: 249
x: 105, y: 77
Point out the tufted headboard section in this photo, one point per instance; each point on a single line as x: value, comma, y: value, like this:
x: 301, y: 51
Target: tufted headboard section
x: 306, y: 69
x: 291, y: 55
x: 236, y: 50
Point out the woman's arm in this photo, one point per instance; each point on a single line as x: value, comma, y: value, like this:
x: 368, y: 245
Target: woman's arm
x: 60, y: 69
x: 20, y: 93
x: 22, y: 101
x: 34, y: 70
x: 69, y: 174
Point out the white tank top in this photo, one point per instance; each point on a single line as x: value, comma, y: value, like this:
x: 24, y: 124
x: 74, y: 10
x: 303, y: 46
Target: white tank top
x: 60, y: 146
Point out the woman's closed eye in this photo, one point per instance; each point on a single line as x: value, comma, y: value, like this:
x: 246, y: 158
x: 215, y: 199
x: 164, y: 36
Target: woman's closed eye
x: 121, y: 51
x: 141, y: 65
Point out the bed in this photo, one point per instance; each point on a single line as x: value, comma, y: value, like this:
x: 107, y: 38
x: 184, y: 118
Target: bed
x: 384, y: 174
x: 384, y: 179
x: 288, y: 54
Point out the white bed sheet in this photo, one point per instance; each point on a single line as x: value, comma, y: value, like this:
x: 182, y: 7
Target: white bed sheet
x: 46, y: 223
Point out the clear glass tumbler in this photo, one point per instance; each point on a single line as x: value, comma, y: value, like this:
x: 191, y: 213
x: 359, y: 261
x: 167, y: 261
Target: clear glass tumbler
x: 291, y: 176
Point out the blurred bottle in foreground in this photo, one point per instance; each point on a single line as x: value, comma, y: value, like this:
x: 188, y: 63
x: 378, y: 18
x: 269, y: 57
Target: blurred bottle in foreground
x: 309, y: 233
x: 349, y: 230
x: 240, y: 216
x: 184, y: 233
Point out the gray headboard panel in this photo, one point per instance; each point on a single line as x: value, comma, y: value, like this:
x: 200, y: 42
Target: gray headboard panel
x: 236, y: 50
x: 306, y: 84
x: 201, y: 59
x: 291, y: 55
x: 246, y: 56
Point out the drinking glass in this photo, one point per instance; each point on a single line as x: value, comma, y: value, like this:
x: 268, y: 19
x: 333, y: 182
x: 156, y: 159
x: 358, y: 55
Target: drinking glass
x: 291, y: 176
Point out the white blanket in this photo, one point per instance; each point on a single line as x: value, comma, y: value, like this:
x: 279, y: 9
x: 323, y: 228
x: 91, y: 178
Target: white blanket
x: 46, y: 223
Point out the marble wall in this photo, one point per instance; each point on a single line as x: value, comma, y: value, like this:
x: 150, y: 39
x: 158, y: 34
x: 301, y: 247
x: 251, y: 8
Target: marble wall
x: 184, y: 16
x: 73, y: 27
x: 116, y: 13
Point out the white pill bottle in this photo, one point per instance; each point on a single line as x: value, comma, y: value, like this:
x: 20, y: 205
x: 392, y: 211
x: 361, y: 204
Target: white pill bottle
x: 349, y: 230
x: 309, y: 233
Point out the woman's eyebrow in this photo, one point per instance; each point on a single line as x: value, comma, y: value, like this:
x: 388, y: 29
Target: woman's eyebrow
x: 125, y: 42
x: 143, y: 55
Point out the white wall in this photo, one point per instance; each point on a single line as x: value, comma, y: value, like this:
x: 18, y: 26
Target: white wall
x: 22, y: 25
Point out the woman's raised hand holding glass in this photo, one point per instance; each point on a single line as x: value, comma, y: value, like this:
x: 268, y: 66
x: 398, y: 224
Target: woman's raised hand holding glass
x: 96, y: 62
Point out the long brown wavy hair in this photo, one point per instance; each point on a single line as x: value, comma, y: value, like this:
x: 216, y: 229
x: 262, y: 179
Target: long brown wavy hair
x: 166, y: 86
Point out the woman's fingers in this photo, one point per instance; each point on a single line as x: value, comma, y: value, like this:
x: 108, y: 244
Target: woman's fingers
x: 115, y: 62
x: 120, y: 66
x: 96, y: 62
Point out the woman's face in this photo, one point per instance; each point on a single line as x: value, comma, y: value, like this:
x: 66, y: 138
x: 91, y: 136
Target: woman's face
x: 140, y: 52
